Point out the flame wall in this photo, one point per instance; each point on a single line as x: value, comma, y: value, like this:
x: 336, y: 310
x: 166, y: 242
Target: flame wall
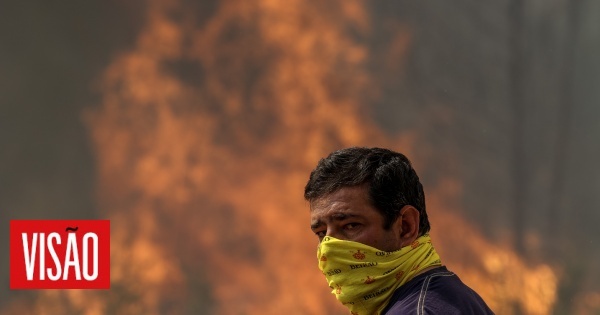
x: 206, y: 134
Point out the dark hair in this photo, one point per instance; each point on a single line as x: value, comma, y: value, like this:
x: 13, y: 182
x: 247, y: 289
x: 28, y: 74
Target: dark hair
x: 391, y: 181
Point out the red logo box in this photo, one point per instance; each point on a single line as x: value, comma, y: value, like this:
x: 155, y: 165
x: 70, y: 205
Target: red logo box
x: 60, y: 254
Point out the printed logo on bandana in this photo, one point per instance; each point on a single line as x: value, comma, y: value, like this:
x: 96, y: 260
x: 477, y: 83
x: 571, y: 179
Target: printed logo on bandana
x: 415, y: 244
x: 369, y: 280
x: 383, y: 254
x: 358, y: 255
x: 369, y: 264
x: 399, y: 275
x: 338, y: 289
x: 376, y: 293
x: 391, y: 270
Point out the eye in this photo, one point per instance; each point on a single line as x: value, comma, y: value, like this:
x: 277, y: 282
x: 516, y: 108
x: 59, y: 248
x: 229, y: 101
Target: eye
x: 351, y: 226
x: 320, y: 234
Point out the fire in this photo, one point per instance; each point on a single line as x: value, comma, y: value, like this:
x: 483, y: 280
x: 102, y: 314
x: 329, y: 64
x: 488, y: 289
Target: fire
x: 204, y: 140
x: 502, y: 278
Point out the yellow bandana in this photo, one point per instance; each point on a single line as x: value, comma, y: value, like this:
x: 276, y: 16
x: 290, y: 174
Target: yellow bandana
x: 364, y: 278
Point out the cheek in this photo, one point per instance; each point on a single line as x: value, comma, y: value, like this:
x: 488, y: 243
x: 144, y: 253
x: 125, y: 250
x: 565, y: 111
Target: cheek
x: 373, y: 238
x: 388, y: 242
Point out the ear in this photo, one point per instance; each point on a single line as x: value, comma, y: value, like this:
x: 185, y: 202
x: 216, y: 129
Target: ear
x: 410, y: 218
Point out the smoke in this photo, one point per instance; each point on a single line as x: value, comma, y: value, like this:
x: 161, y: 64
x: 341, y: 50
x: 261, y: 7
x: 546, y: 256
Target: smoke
x: 204, y: 141
x: 206, y: 130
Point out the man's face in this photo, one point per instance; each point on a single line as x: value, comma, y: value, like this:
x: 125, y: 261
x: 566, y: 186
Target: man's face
x: 347, y: 214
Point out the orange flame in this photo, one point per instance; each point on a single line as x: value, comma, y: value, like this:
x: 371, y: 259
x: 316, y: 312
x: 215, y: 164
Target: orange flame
x: 204, y: 140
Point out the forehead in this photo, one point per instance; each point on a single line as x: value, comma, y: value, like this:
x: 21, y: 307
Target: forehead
x: 348, y: 200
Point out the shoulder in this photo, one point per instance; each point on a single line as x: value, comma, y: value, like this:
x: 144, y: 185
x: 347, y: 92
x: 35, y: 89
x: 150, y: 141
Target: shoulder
x: 438, y: 291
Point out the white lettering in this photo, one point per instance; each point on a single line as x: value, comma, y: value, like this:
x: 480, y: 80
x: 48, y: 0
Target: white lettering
x: 56, y: 276
x: 29, y: 254
x: 42, y: 256
x: 72, y: 258
x: 94, y: 238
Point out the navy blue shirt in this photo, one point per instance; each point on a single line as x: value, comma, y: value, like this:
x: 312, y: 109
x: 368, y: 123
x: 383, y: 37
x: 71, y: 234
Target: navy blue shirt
x: 437, y: 291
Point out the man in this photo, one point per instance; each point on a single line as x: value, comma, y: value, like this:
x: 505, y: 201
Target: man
x: 368, y: 211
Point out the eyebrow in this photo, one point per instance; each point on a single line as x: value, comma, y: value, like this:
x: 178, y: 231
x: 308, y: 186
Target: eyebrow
x: 334, y: 217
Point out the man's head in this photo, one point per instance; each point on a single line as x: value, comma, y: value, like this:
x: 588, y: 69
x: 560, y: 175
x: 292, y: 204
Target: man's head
x: 383, y: 179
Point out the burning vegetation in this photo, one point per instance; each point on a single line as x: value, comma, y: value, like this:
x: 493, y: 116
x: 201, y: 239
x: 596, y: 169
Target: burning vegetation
x: 207, y: 131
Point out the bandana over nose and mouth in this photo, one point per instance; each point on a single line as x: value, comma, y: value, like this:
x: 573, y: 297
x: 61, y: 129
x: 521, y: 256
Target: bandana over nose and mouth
x: 364, y: 278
